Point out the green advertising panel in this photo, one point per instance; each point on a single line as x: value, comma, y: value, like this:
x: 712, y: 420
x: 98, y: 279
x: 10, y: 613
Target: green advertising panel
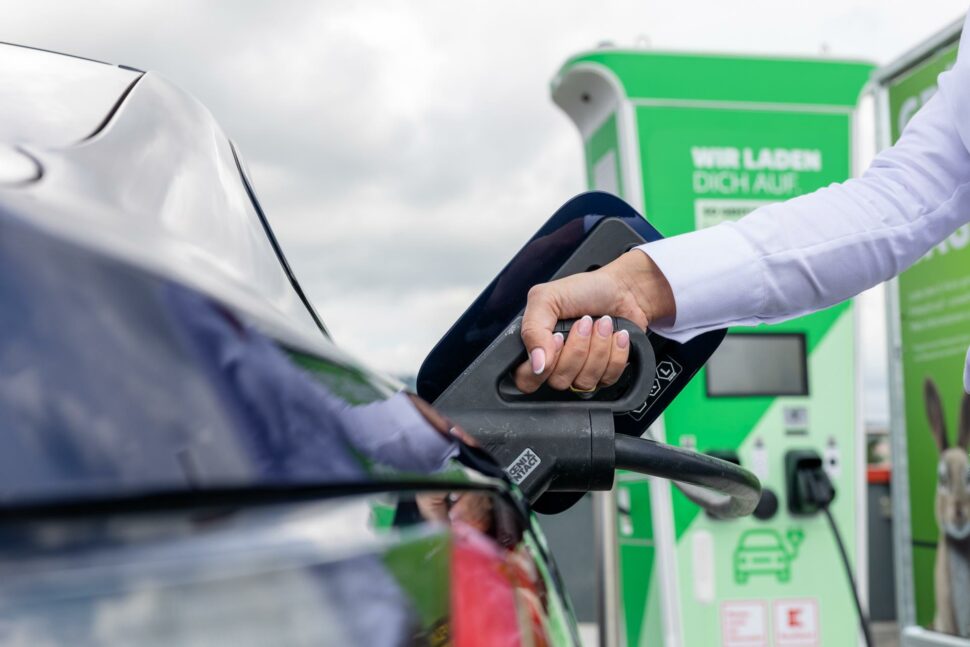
x: 694, y: 141
x: 914, y: 87
x: 934, y: 332
x: 701, y: 167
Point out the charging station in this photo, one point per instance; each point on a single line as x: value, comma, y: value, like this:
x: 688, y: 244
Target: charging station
x: 691, y: 141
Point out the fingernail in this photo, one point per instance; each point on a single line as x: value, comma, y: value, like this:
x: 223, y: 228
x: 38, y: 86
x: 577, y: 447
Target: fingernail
x: 585, y: 326
x: 538, y: 357
x: 622, y: 339
x: 560, y: 340
x: 604, y: 327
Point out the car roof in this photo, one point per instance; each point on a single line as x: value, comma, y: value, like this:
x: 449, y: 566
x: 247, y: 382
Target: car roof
x: 51, y: 99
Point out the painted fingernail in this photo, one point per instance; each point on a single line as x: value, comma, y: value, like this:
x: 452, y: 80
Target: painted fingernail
x: 584, y: 327
x: 538, y: 358
x: 604, y: 327
x: 622, y: 339
x: 560, y: 340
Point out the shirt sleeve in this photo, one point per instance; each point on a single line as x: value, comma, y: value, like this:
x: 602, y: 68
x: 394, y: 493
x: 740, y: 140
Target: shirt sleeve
x: 788, y: 259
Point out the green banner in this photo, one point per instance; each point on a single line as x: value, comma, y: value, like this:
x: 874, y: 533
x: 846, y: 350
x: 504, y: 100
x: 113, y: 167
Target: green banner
x: 934, y: 324
x: 740, y: 580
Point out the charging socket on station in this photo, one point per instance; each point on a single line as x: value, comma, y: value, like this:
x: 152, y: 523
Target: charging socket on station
x: 809, y: 488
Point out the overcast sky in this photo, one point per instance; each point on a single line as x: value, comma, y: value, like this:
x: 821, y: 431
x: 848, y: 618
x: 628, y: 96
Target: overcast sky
x: 405, y: 150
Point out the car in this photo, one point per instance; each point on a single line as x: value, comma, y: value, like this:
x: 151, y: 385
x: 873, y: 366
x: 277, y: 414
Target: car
x: 149, y: 318
x: 186, y: 455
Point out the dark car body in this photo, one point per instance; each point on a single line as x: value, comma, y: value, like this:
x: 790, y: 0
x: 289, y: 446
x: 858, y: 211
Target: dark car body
x: 178, y: 453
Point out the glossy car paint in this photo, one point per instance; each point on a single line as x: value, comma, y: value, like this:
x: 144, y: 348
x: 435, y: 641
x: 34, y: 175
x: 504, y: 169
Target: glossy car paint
x: 159, y: 187
x: 134, y: 242
x: 343, y: 571
x: 50, y: 101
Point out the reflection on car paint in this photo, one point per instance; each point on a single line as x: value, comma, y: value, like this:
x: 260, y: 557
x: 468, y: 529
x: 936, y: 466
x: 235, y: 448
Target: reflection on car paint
x: 312, y: 573
x: 154, y: 386
x: 137, y: 290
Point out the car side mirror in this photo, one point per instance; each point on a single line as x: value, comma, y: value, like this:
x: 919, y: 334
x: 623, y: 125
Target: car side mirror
x: 556, y: 445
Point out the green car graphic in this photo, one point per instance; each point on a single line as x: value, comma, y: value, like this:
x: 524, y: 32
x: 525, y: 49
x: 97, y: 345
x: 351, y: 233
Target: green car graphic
x: 763, y: 552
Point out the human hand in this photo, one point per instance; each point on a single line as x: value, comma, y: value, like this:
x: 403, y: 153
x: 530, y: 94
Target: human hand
x: 632, y: 287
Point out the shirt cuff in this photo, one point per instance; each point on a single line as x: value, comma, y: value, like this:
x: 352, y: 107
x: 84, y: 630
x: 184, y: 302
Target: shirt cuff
x: 716, y: 278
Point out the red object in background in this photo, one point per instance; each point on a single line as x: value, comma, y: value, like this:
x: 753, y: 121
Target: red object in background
x: 495, y: 601
x: 879, y: 475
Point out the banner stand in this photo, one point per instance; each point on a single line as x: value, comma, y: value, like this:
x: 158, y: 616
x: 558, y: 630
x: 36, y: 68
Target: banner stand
x: 923, y: 348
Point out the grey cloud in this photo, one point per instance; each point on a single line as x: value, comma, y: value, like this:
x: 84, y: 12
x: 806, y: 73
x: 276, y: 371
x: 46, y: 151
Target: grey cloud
x: 403, y: 151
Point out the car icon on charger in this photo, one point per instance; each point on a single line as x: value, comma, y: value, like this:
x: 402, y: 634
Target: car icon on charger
x: 763, y: 552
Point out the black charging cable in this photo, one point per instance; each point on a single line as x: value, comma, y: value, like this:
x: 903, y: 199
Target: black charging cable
x: 863, y: 617
x: 816, y: 488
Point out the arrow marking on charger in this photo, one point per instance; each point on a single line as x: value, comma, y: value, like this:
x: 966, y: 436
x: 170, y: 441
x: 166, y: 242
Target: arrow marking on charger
x: 666, y: 371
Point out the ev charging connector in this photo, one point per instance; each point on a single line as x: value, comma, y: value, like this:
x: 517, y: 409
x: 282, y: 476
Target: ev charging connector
x: 559, y: 442
x: 809, y: 488
x: 558, y: 445
x: 544, y: 443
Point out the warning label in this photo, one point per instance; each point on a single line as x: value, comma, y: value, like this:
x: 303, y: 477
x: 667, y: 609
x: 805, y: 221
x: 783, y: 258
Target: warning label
x: 796, y: 623
x: 744, y: 623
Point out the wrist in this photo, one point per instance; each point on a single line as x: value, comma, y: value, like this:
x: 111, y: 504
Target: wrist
x: 639, y: 276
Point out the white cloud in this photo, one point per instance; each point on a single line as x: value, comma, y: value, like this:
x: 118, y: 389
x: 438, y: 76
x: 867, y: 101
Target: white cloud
x: 403, y: 151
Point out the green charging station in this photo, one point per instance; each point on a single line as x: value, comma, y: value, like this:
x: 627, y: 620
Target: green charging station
x: 692, y: 141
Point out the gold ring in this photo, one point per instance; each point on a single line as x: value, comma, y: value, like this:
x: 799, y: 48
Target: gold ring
x: 575, y: 390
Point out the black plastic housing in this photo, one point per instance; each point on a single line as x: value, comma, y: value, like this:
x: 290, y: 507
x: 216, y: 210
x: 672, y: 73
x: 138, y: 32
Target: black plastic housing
x: 549, y: 440
x: 809, y: 487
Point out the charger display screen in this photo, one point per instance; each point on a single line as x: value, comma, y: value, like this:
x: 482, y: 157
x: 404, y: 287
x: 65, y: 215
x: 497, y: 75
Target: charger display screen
x: 758, y: 364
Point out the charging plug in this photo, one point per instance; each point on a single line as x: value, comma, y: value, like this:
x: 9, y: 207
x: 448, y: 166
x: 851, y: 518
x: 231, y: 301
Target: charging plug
x: 809, y: 488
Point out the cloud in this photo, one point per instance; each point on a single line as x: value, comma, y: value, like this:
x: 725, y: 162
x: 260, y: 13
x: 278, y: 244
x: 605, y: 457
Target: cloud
x: 404, y: 151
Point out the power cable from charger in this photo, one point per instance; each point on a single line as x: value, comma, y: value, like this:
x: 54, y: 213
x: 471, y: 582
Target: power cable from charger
x: 815, y: 493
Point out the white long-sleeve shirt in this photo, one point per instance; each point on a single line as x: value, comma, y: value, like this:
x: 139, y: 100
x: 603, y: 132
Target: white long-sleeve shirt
x: 787, y: 259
